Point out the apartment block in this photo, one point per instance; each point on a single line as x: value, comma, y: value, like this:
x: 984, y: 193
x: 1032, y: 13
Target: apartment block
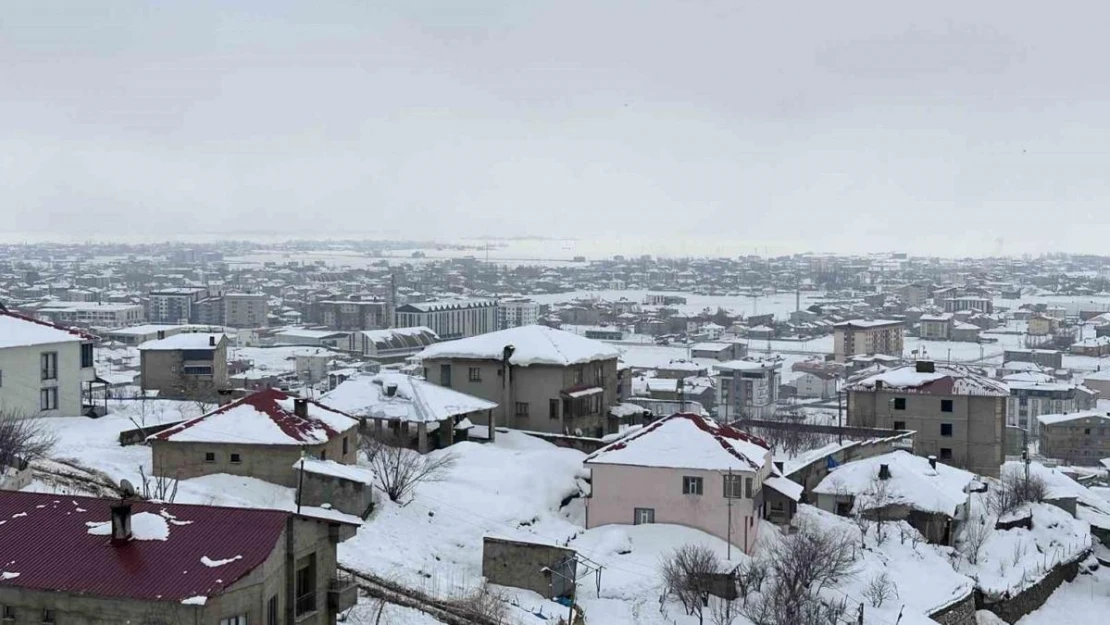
x: 861, y: 337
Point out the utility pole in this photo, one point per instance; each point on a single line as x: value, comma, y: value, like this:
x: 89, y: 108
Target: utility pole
x: 728, y: 492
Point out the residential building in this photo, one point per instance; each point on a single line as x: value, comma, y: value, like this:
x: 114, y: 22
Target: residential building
x: 312, y: 338
x: 246, y: 310
x: 44, y: 368
x: 747, y: 389
x: 453, y: 319
x: 353, y: 315
x: 1096, y: 347
x: 963, y: 332
x: 957, y: 413
x: 516, y: 312
x: 932, y: 497
x: 1080, y: 438
x: 1041, y: 325
x: 555, y: 381
x: 1098, y: 381
x: 1045, y: 357
x: 393, y: 345
x: 208, y: 311
x: 734, y: 350
x: 88, y: 314
x: 703, y: 475
x: 604, y: 334
x: 1031, y: 399
x: 174, y: 305
x: 191, y: 365
x: 410, y: 411
x: 659, y: 299
x: 936, y: 327
x: 265, y: 435
x: 814, y: 384
x: 977, y: 304
x: 87, y: 560
x: 136, y: 335
x: 863, y: 337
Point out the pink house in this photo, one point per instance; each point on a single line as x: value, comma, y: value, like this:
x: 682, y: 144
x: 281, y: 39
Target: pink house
x: 686, y: 470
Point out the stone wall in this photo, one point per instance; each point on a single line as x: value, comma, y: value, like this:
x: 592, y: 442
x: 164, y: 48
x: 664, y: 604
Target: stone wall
x: 526, y: 565
x: 139, y: 435
x: 581, y: 443
x: 961, y: 612
x: 1011, y: 609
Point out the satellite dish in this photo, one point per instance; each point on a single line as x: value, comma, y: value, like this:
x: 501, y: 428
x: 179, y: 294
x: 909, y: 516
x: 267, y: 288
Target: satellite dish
x: 127, y: 488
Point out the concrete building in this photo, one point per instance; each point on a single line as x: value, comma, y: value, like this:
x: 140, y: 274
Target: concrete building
x: 719, y: 351
x: 246, y: 310
x: 1096, y: 347
x: 137, y: 335
x: 702, y: 475
x: 1045, y: 357
x: 555, y: 381
x: 747, y: 389
x: 189, y: 365
x: 450, y: 319
x: 1041, y: 325
x: 1098, y: 381
x: 516, y: 312
x: 1081, y: 438
x: 92, y: 561
x: 863, y: 337
x: 414, y: 413
x: 174, y: 306
x: 312, y: 338
x: 936, y: 327
x: 44, y: 369
x: 393, y: 345
x: 88, y: 314
x: 977, y: 304
x: 814, y: 384
x: 1029, y: 400
x: 958, y: 415
x: 353, y: 315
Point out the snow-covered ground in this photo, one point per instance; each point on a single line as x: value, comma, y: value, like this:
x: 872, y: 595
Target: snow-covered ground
x: 1085, y: 601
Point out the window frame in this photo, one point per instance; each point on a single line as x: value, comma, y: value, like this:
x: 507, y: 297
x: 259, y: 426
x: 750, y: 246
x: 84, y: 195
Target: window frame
x: 210, y: 457
x: 87, y: 349
x: 949, y: 427
x: 693, y: 485
x: 735, y: 483
x: 638, y: 513
x: 238, y: 619
x: 945, y: 453
x: 947, y: 405
x: 474, y: 374
x: 520, y: 409
x: 899, y: 403
x: 898, y: 425
x: 553, y: 409
x: 48, y: 365
x: 48, y: 398
x: 235, y: 458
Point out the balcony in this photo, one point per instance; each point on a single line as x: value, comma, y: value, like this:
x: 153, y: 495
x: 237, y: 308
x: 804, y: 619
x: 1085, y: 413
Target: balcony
x: 342, y: 593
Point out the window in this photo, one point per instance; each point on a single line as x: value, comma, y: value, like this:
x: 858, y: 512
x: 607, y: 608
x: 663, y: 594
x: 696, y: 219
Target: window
x: 272, y: 611
x: 1087, y: 431
x: 7, y: 612
x: 234, y: 620
x: 49, y: 362
x: 86, y: 355
x: 899, y: 403
x: 945, y: 453
x: 236, y: 458
x: 733, y: 485
x: 748, y: 487
x: 209, y: 456
x: 641, y: 516
x: 899, y: 425
x: 691, y: 485
x: 946, y: 405
x: 946, y: 429
x: 345, y: 446
x: 553, y: 408
x: 47, y: 615
x: 305, y: 586
x: 323, y: 454
x: 445, y: 375
x: 197, y: 370
x: 521, y: 409
x: 48, y: 398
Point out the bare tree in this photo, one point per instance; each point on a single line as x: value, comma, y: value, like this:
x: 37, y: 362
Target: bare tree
x: 1014, y: 490
x: 23, y: 438
x: 880, y: 589
x: 398, y: 470
x: 876, y: 504
x: 201, y: 394
x: 688, y: 574
x: 723, y: 611
x: 160, y: 487
x: 485, y: 604
x: 975, y: 535
x: 750, y: 576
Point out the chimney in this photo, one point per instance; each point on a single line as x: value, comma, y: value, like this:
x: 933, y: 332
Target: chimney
x: 933, y: 462
x: 391, y: 389
x: 161, y: 334
x: 878, y: 385
x: 925, y: 366
x: 884, y: 471
x: 121, y: 522
x: 300, y: 407
x: 212, y: 341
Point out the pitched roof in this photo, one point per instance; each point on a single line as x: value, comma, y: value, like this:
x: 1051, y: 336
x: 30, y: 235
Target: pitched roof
x: 263, y: 418
x: 535, y: 345
x: 54, y: 542
x: 913, y: 482
x: 686, y: 441
x: 945, y: 379
x: 1051, y: 419
x: 414, y: 401
x: 18, y: 330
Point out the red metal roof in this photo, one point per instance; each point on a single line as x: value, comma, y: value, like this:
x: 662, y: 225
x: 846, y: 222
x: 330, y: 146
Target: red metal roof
x: 266, y: 402
x: 45, y: 539
x: 722, y: 433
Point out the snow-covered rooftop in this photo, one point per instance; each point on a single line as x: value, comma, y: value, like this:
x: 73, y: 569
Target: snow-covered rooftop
x: 19, y: 331
x: 867, y: 323
x: 187, y: 340
x: 944, y: 379
x: 414, y: 400
x: 913, y: 482
x: 264, y: 418
x: 747, y: 365
x: 686, y: 441
x: 534, y: 345
x: 332, y: 468
x: 1051, y: 419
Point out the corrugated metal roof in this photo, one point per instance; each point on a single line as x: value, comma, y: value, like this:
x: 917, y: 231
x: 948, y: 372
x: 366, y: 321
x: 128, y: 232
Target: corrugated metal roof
x: 45, y: 544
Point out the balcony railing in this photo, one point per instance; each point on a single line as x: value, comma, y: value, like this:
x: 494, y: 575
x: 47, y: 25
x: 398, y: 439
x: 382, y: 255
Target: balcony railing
x: 305, y: 603
x: 342, y: 592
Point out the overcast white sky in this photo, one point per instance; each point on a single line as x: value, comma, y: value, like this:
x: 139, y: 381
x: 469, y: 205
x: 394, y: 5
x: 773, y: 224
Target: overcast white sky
x: 932, y: 127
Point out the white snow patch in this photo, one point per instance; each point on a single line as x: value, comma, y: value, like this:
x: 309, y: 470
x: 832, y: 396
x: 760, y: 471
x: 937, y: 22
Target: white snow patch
x: 144, y: 526
x: 197, y: 600
x: 6, y: 575
x: 209, y: 562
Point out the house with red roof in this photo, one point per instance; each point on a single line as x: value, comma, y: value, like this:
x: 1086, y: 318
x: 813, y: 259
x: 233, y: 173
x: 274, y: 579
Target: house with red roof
x: 66, y: 559
x: 688, y: 470
x: 273, y: 436
x: 44, y: 368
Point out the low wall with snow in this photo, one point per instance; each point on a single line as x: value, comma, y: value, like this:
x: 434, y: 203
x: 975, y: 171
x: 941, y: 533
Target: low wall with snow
x: 961, y: 612
x: 1011, y: 609
x: 139, y: 435
x: 15, y: 479
x: 581, y: 443
x: 543, y: 569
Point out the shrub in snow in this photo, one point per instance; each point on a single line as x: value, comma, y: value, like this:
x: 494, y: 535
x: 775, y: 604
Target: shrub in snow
x: 1015, y: 490
x: 880, y: 589
x: 688, y: 574
x: 485, y: 604
x: 398, y: 470
x: 23, y: 437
